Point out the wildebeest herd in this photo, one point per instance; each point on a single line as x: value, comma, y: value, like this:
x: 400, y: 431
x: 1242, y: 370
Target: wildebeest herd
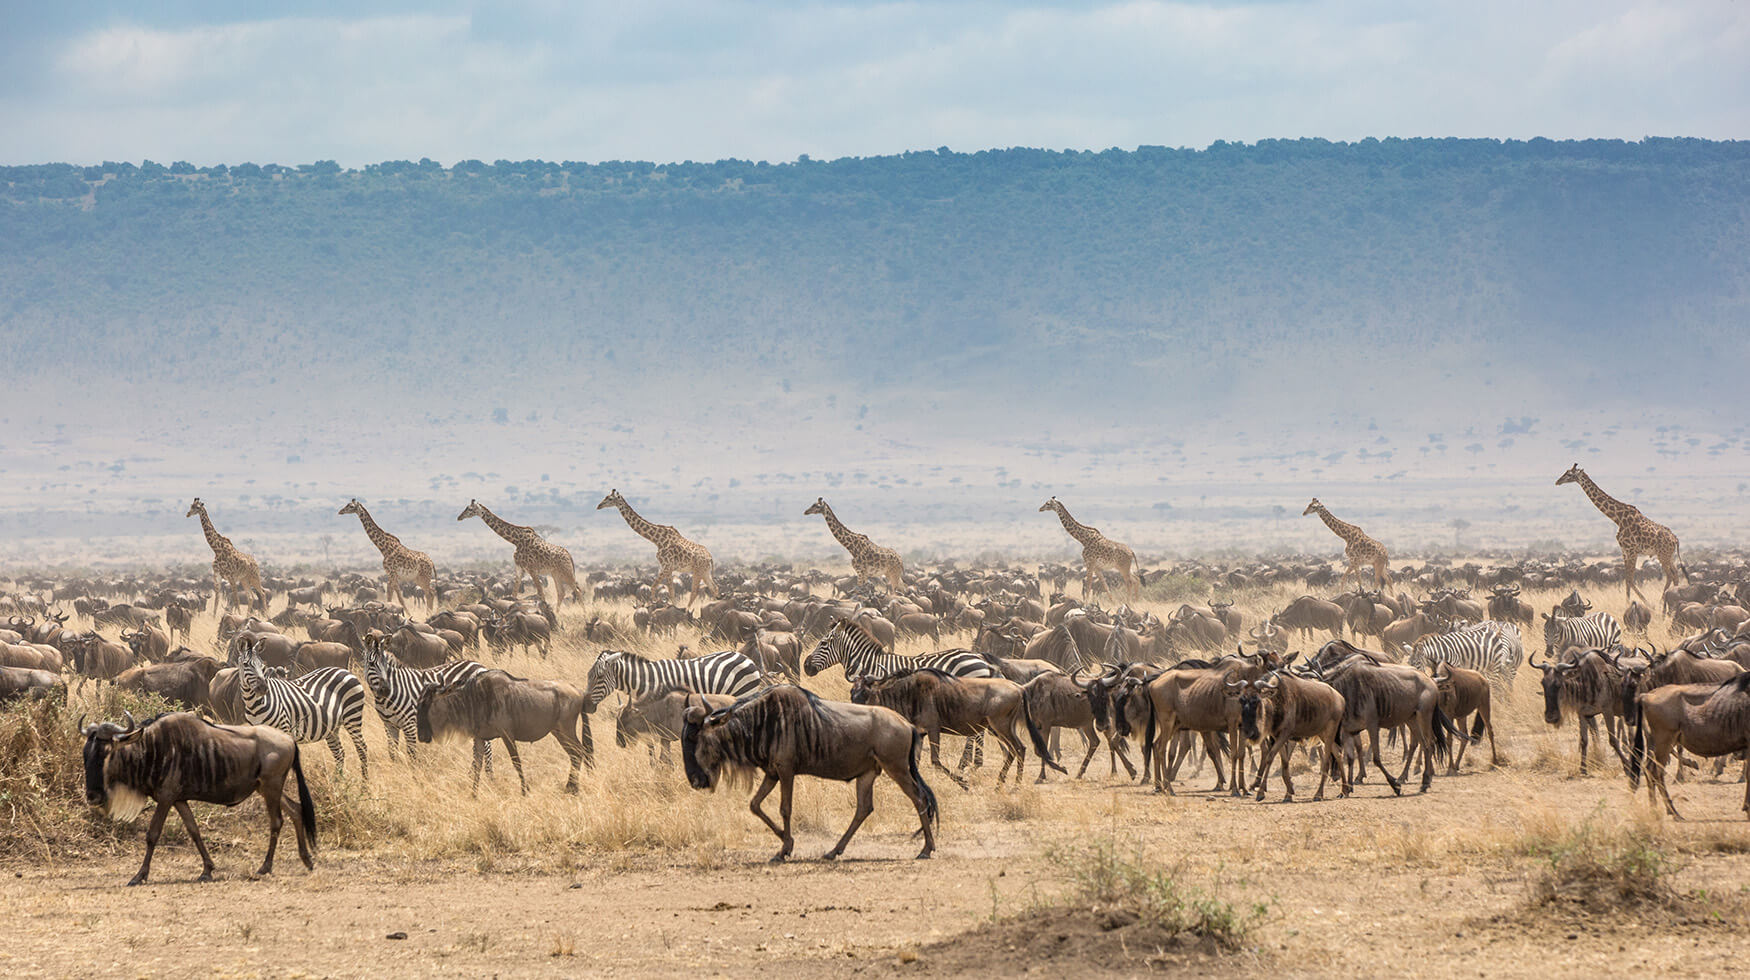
x: 1341, y: 677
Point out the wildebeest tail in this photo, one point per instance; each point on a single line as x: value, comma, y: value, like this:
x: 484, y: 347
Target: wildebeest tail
x: 1476, y: 728
x: 306, y: 805
x: 1444, y: 729
x: 925, y: 793
x: 1038, y: 738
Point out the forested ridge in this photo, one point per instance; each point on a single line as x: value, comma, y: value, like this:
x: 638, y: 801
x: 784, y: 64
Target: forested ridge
x: 1005, y: 263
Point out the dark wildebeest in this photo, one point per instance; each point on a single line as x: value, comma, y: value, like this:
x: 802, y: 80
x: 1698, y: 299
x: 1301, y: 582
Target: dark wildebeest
x: 98, y: 659
x: 496, y: 705
x: 1103, y: 698
x: 183, y: 682
x: 465, y: 623
x: 1283, y: 709
x: 1506, y: 606
x: 179, y: 619
x: 1588, y: 684
x: 1309, y: 613
x: 25, y: 682
x: 1636, y: 618
x: 939, y: 702
x: 1462, y: 693
x: 1679, y: 666
x: 175, y: 758
x: 785, y: 732
x: 1055, y: 701
x: 519, y: 628
x: 1380, y: 695
x: 149, y: 643
x: 1707, y: 719
x: 313, y: 655
x: 419, y: 649
x: 659, y: 717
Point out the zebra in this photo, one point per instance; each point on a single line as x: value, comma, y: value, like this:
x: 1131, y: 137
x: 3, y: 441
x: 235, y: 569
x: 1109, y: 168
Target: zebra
x: 727, y: 672
x: 847, y: 644
x: 1599, y: 630
x: 1492, y: 648
x: 397, y: 690
x: 315, y: 707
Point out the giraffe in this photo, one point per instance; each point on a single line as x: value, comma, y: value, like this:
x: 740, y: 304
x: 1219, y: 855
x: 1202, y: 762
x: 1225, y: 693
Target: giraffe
x: 674, y: 553
x: 868, y: 559
x: 230, y: 565
x: 1635, y: 532
x: 1098, y: 552
x: 534, y: 555
x: 398, y: 560
x: 1358, y: 548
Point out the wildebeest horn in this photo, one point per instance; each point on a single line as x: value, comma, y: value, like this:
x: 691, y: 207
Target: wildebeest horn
x: 80, y: 724
x: 1233, y: 684
x: 132, y: 724
x: 1531, y: 661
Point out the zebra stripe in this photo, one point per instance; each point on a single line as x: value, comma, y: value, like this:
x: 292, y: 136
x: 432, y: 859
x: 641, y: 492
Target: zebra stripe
x: 315, y: 707
x: 1490, y: 648
x: 727, y: 672
x: 397, y: 690
x: 861, y: 656
x: 1599, y: 630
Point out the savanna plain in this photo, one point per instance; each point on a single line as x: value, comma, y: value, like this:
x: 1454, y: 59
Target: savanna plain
x: 1525, y: 867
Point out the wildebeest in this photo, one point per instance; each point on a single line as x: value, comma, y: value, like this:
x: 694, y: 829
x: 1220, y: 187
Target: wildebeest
x: 497, y: 705
x: 939, y: 702
x: 785, y: 732
x: 183, y: 682
x: 97, y: 658
x: 1056, y: 701
x: 659, y: 717
x: 179, y: 757
x: 1465, y: 692
x: 1382, y: 695
x: 1188, y: 698
x: 1506, y: 606
x: 26, y: 682
x: 1636, y: 618
x: 1283, y: 709
x: 1707, y: 719
x: 1587, y: 683
x: 1309, y: 613
x: 519, y: 628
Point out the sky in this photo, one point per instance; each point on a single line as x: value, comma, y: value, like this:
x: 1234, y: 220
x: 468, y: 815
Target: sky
x: 359, y: 81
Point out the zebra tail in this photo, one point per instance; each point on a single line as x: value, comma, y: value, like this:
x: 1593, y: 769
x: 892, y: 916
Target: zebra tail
x: 1038, y: 737
x: 306, y: 805
x: 931, y: 814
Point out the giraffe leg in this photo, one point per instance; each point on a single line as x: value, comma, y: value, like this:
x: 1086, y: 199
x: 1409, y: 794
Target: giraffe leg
x: 1630, y: 589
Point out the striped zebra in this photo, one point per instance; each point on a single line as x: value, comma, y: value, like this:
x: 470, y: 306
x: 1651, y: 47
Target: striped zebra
x: 1491, y: 648
x: 1561, y: 633
x: 315, y: 707
x: 847, y: 644
x: 397, y: 690
x: 727, y: 672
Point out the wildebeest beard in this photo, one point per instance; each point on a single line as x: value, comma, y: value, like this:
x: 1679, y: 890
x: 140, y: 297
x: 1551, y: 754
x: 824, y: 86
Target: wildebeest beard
x: 761, y: 730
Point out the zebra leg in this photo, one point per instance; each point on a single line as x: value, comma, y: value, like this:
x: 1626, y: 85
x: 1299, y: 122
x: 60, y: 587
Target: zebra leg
x: 474, y: 785
x: 334, y: 746
x: 357, y: 731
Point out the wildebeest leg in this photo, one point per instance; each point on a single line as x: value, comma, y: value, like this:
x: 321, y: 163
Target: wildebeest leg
x: 1163, y: 778
x: 1426, y: 736
x: 1662, y: 752
x: 1397, y: 787
x: 334, y: 746
x: 1284, y: 754
x: 153, y: 829
x: 936, y: 760
x: 865, y: 806
x: 1237, y: 754
x: 1091, y: 738
x: 1120, y: 752
x: 1013, y: 751
x: 1586, y: 724
x: 194, y: 834
x: 474, y: 786
x: 517, y: 761
x: 1745, y: 779
x: 1264, y: 768
x: 1463, y: 743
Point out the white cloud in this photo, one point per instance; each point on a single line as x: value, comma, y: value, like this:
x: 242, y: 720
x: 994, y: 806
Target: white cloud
x: 704, y: 79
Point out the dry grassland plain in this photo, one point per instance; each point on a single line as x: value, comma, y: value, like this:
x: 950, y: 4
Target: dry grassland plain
x: 1524, y: 869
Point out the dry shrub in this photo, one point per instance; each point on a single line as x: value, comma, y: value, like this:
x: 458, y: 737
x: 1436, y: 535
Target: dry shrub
x: 1604, y: 870
x: 1120, y: 886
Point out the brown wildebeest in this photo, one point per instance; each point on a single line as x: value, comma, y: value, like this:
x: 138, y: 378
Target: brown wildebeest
x: 786, y: 732
x: 24, y: 682
x: 225, y: 696
x: 31, y: 656
x: 1707, y: 719
x: 519, y: 628
x: 939, y: 702
x: 465, y: 623
x: 1109, y: 716
x: 1588, y: 684
x: 1506, y: 606
x: 184, y: 682
x: 1055, y: 701
x: 496, y: 705
x: 98, y: 659
x: 1636, y: 618
x: 1380, y: 695
x: 149, y: 643
x: 419, y: 649
x: 1283, y: 709
x: 1188, y: 698
x: 1309, y: 613
x: 179, y: 757
x: 311, y: 655
x: 659, y: 717
x: 179, y: 619
x: 1462, y: 693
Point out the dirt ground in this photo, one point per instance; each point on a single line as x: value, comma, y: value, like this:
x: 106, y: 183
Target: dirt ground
x: 1419, y: 886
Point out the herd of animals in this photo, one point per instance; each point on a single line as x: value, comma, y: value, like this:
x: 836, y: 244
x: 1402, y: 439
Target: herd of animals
x: 1424, y: 671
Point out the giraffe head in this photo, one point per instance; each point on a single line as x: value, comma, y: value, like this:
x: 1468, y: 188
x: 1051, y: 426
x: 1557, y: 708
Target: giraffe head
x: 473, y: 510
x: 818, y: 507
x: 1051, y: 504
x: 196, y: 508
x: 613, y: 499
x: 1313, y: 507
x: 353, y: 507
x: 1572, y: 476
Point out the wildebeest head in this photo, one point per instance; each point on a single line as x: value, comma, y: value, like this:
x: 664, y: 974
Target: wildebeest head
x: 120, y: 802
x: 701, y: 744
x: 1553, y: 676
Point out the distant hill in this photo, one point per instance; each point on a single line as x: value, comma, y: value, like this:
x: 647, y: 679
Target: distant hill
x: 1117, y: 274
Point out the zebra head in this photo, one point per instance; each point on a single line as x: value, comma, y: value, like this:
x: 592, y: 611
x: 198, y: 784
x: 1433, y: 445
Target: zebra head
x: 832, y: 649
x: 603, y: 676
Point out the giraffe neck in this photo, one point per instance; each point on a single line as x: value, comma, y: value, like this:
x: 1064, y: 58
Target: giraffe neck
x: 514, y: 533
x: 1343, y: 529
x: 384, y: 541
x: 1607, y: 505
x: 639, y: 525
x: 852, y: 541
x: 216, y: 541
x: 1081, y: 532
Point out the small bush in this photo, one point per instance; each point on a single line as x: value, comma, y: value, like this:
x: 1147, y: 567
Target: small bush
x: 1605, y: 870
x: 1122, y: 887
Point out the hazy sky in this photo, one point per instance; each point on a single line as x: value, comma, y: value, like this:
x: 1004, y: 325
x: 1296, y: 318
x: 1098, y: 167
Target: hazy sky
x: 364, y: 80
